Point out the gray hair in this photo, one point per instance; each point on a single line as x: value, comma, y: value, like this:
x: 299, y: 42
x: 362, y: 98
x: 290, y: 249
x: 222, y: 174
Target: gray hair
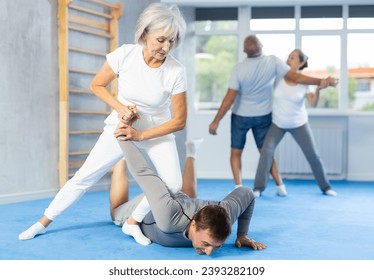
x: 159, y: 16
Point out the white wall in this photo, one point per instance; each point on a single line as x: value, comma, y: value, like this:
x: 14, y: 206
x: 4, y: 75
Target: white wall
x: 360, y: 148
x: 28, y: 99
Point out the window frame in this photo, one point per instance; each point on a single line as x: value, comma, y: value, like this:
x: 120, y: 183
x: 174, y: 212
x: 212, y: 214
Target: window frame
x: 213, y: 106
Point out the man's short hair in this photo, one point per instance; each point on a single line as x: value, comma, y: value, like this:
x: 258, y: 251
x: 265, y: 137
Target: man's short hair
x: 214, y: 218
x: 252, y: 46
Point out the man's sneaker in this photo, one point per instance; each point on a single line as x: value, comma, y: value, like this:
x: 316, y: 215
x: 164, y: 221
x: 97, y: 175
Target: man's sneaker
x: 281, y: 190
x: 330, y: 192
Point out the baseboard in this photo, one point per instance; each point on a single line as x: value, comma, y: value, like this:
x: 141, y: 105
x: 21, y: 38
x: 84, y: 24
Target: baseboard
x: 26, y: 196
x: 29, y: 196
x: 360, y: 177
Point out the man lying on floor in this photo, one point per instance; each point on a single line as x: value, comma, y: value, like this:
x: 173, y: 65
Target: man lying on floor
x: 179, y: 220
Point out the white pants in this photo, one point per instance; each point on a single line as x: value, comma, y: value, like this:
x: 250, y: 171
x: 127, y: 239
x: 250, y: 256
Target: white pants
x: 105, y: 154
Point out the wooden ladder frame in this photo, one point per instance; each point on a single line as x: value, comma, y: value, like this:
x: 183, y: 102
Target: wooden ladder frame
x: 68, y: 21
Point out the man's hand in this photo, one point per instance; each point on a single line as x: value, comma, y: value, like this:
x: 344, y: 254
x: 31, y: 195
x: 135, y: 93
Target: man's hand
x: 243, y: 240
x: 213, y: 128
x: 125, y: 132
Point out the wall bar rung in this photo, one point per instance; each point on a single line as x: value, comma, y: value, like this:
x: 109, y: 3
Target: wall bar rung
x: 86, y: 51
x: 89, y: 31
x: 110, y: 172
x: 82, y: 112
x: 79, y: 153
x: 104, y: 3
x: 80, y: 91
x: 87, y: 132
x: 88, y: 11
x: 82, y: 71
x: 89, y: 22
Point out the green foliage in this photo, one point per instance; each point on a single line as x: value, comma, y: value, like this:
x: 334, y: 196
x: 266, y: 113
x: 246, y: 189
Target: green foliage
x: 329, y: 98
x: 352, y: 84
x: 368, y: 107
x: 213, y: 69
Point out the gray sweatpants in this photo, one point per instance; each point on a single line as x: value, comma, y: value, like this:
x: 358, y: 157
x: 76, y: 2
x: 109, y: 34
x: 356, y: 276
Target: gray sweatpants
x: 172, y: 213
x: 303, y: 137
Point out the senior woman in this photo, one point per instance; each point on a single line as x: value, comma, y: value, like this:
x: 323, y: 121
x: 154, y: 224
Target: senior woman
x: 150, y: 82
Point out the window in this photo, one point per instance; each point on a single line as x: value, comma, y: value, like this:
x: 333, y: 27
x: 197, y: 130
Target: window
x: 331, y: 39
x: 361, y: 71
x: 361, y: 17
x: 324, y: 60
x: 279, y: 45
x: 363, y: 85
x: 219, y: 25
x: 321, y: 18
x: 214, y: 59
x: 266, y: 20
x: 215, y: 56
x: 273, y: 18
x: 216, y: 19
x: 360, y: 59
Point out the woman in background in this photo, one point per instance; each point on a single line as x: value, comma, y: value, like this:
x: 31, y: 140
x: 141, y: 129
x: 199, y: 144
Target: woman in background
x: 290, y: 115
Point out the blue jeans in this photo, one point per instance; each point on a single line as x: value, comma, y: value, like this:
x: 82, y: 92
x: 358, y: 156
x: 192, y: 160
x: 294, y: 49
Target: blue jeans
x: 241, y: 125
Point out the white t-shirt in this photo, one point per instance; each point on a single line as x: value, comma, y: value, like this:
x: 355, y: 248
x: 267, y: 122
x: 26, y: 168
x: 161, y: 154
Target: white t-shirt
x: 150, y: 89
x: 289, y: 109
x: 253, y: 78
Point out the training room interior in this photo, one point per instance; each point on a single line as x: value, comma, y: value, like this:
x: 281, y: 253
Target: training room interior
x: 50, y: 121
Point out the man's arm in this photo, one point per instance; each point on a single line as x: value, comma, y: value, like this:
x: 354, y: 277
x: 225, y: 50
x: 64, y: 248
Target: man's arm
x: 240, y: 204
x: 225, y: 106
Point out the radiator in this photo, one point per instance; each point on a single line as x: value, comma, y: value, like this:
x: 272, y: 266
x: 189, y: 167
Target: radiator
x: 331, y: 148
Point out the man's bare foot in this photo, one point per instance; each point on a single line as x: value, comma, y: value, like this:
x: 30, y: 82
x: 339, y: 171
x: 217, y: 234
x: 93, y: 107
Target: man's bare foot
x: 245, y: 241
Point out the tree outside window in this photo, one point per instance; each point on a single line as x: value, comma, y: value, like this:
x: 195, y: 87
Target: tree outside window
x: 215, y: 57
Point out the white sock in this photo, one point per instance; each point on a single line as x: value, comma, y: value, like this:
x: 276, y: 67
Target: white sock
x: 238, y: 186
x: 30, y: 233
x: 192, y: 146
x: 136, y: 232
x: 281, y: 190
x: 256, y: 193
x: 330, y: 192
